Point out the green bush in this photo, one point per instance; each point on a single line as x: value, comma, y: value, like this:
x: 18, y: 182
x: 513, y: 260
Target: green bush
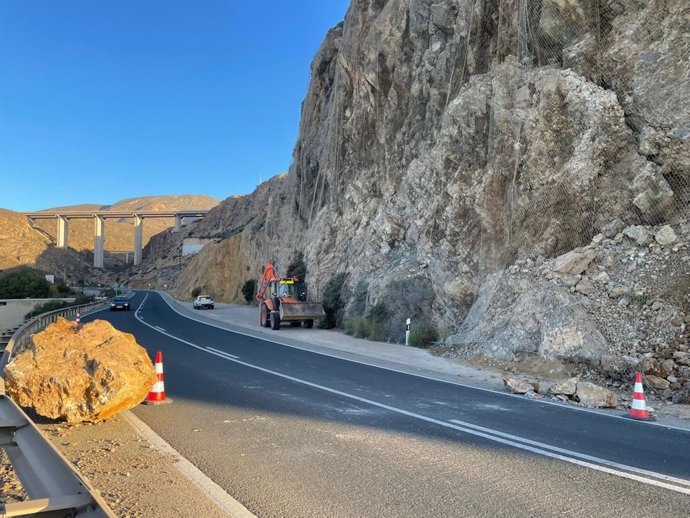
x: 249, y: 290
x: 363, y: 327
x: 53, y: 305
x: 297, y: 268
x: 423, y: 335
x: 378, y: 312
x: 333, y: 302
x: 196, y: 292
x: 359, y: 327
x: 22, y: 283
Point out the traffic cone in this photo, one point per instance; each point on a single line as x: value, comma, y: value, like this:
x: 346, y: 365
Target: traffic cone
x: 157, y: 393
x: 638, y: 409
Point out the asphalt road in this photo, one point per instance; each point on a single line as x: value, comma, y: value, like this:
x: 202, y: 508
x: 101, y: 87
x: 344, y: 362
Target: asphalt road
x: 289, y: 432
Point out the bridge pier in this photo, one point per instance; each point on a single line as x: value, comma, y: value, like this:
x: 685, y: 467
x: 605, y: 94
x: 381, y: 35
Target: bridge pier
x: 99, y: 227
x: 98, y: 241
x: 62, y: 231
x: 138, y: 239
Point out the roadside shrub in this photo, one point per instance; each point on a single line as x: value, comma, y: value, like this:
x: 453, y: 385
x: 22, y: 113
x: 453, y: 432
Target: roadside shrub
x: 423, y: 335
x: 372, y: 326
x: 249, y: 290
x: 297, y: 268
x: 359, y: 327
x: 333, y: 302
x: 53, y: 305
x: 196, y: 292
x: 378, y: 312
x: 63, y: 289
x: 22, y: 283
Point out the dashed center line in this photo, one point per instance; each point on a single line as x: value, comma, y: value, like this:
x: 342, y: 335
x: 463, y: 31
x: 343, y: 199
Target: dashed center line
x: 222, y: 353
x: 586, y: 461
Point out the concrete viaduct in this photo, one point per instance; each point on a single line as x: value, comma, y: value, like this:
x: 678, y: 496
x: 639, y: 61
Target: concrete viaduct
x: 99, y: 217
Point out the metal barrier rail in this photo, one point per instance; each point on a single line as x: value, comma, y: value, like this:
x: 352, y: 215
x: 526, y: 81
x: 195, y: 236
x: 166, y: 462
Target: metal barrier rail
x: 54, y: 487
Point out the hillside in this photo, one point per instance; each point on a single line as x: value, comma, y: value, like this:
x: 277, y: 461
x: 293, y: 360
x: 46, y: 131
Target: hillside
x: 21, y: 245
x: 512, y: 174
x: 119, y: 234
x: 24, y: 245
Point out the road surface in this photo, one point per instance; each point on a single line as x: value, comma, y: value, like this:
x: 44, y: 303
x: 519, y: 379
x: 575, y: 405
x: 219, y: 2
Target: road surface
x: 289, y: 432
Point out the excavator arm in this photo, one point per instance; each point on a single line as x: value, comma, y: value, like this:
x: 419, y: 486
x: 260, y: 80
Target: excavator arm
x: 269, y: 275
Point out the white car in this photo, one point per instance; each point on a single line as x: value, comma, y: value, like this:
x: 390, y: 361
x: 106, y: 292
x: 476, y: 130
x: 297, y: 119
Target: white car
x: 203, y: 302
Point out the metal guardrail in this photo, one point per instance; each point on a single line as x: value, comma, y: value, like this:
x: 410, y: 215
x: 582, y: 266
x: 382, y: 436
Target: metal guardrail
x: 55, y: 489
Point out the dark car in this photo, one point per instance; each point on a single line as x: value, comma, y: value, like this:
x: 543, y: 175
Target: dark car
x: 119, y: 303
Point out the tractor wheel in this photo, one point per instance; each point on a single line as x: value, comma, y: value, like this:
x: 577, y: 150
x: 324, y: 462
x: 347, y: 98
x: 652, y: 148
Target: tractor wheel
x: 264, y: 316
x: 275, y: 321
x: 309, y: 323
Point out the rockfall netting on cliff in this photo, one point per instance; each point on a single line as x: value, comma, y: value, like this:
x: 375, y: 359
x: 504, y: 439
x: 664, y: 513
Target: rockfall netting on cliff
x: 515, y: 172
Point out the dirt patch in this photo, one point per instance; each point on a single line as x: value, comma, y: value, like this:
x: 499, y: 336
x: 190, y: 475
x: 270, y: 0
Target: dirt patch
x: 133, y: 477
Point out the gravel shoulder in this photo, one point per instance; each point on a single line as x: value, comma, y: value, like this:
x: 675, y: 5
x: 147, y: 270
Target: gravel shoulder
x: 139, y: 479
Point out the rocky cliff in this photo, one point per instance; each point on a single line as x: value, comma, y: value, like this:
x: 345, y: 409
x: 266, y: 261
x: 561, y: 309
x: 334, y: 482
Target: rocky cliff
x: 452, y: 153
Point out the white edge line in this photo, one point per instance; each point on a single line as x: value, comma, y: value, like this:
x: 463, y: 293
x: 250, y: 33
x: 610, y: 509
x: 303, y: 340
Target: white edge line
x: 629, y: 474
x: 582, y: 456
x: 216, y: 493
x: 165, y: 296
x: 159, y: 328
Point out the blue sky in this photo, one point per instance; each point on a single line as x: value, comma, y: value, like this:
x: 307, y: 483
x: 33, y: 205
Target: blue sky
x: 106, y: 100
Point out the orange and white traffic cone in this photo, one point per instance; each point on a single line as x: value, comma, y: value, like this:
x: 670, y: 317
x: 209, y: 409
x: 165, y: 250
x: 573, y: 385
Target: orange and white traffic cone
x: 157, y: 393
x: 638, y: 409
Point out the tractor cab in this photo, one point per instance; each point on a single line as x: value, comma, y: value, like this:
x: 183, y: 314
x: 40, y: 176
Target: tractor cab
x: 284, y: 299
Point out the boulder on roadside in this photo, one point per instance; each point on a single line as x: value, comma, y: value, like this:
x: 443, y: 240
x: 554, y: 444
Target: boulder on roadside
x: 516, y: 386
x: 594, y: 396
x: 80, y: 373
x: 566, y: 387
x: 656, y: 382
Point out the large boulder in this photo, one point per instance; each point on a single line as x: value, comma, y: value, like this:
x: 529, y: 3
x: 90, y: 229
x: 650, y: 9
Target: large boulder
x: 80, y: 373
x: 594, y: 396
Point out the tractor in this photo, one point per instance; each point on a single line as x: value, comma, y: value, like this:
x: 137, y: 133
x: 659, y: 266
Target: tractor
x: 282, y: 299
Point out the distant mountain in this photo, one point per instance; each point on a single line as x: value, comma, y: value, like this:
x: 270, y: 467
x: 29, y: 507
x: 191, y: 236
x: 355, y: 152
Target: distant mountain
x: 119, y: 234
x: 24, y: 245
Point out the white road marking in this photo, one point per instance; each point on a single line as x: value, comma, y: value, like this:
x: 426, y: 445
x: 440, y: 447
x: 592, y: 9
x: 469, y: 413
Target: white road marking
x: 630, y: 472
x: 228, y: 504
x: 159, y: 328
x: 222, y: 354
x: 409, y: 373
x: 571, y: 453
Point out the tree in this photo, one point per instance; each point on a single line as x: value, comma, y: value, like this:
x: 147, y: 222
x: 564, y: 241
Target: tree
x: 297, y: 268
x: 333, y: 302
x: 249, y: 290
x: 22, y: 283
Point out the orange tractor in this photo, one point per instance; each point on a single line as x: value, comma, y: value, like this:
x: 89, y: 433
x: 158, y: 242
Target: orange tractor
x: 281, y: 299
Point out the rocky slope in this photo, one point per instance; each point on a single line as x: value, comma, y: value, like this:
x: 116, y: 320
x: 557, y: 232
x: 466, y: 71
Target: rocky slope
x: 23, y: 244
x: 446, y: 145
x: 119, y: 233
